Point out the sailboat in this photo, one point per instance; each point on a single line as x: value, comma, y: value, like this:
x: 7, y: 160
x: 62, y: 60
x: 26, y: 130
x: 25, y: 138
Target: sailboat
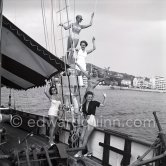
x: 26, y: 64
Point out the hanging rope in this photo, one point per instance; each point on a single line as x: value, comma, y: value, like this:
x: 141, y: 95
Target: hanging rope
x: 52, y: 25
x: 95, y: 6
x: 74, y: 10
x: 63, y: 49
x: 45, y: 25
x: 66, y: 7
x: 95, y: 9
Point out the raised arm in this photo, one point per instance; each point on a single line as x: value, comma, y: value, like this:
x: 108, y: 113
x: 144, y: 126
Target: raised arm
x: 97, y: 83
x: 46, y: 89
x: 65, y: 27
x: 90, y: 24
x: 94, y: 46
x: 103, y: 102
x: 83, y: 71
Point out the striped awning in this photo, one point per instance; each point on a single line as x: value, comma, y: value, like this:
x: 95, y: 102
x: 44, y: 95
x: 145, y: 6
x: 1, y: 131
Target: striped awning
x: 25, y: 63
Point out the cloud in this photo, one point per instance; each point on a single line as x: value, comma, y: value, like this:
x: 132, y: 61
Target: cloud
x: 130, y: 34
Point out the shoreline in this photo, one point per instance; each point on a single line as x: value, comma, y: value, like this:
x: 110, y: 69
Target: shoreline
x: 136, y: 89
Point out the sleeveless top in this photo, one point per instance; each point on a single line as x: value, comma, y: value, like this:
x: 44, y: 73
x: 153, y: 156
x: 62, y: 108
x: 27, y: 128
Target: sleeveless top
x: 53, y: 111
x: 81, y: 59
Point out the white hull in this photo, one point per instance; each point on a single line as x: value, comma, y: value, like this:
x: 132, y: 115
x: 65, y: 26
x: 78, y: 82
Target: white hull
x: 116, y: 140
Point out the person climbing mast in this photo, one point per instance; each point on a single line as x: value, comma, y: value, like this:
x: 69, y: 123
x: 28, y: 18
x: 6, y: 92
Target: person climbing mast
x: 73, y: 38
x: 76, y: 29
x: 82, y: 54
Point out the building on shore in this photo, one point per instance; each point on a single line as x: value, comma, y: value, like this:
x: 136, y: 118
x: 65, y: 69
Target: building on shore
x: 142, y: 82
x: 126, y: 83
x: 160, y: 83
x: 152, y: 83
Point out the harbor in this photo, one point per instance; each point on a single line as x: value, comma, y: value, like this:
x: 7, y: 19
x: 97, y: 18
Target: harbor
x: 79, y: 89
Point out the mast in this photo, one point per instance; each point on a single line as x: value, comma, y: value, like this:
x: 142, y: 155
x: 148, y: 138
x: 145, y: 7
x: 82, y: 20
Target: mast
x: 1, y: 7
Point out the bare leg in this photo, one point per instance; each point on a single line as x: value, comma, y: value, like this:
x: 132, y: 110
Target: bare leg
x: 82, y: 136
x: 79, y: 153
x: 75, y: 103
x: 75, y: 42
x: 87, y: 135
x: 69, y: 43
x: 72, y: 43
x: 53, y: 121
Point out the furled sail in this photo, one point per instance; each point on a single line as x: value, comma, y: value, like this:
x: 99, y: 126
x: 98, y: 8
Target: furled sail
x: 25, y: 63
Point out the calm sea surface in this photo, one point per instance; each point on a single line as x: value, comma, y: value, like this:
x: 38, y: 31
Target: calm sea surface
x: 127, y: 111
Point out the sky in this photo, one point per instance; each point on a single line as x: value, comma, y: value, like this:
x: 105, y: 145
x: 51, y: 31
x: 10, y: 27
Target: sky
x: 130, y: 34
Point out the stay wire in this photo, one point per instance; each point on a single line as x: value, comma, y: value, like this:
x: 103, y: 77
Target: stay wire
x: 52, y: 25
x: 63, y: 49
x: 66, y: 7
x: 45, y: 25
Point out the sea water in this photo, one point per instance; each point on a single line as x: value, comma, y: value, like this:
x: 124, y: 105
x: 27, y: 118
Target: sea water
x: 130, y: 112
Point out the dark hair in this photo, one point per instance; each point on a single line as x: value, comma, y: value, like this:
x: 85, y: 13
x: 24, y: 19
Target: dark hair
x: 79, y: 16
x: 83, y: 41
x: 50, y: 89
x: 88, y: 93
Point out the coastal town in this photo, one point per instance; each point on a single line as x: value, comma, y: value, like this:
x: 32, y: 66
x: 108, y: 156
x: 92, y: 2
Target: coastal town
x: 125, y: 81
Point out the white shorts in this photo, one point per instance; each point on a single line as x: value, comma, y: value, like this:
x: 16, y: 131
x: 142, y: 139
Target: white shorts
x: 53, y: 112
x: 91, y: 120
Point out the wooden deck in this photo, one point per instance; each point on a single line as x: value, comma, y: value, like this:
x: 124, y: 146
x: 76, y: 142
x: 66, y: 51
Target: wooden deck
x: 14, y: 135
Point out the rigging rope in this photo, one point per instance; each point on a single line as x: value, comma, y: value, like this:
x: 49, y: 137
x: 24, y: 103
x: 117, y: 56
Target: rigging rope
x: 95, y: 6
x: 52, y: 25
x: 63, y: 49
x: 74, y: 9
x: 66, y: 7
x: 95, y: 9
x: 45, y: 25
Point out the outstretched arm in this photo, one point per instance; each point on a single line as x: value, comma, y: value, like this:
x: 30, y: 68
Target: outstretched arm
x: 83, y: 71
x: 94, y: 46
x: 65, y: 27
x: 90, y: 24
x: 103, y: 102
x: 46, y: 89
x: 97, y: 83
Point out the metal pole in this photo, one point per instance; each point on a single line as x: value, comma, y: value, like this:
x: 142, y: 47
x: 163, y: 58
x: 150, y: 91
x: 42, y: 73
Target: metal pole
x: 1, y: 7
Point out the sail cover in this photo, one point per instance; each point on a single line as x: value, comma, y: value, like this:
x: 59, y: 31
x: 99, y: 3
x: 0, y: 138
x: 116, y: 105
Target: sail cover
x: 25, y: 63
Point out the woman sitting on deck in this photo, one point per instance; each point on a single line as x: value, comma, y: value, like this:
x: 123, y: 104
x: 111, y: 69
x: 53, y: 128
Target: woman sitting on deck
x: 89, y: 111
x: 53, y: 111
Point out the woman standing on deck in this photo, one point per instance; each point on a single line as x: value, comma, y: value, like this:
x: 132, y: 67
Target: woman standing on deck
x: 51, y: 93
x: 89, y: 111
x: 73, y: 39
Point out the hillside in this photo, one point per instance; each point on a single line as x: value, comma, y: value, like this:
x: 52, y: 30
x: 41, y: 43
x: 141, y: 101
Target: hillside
x: 113, y: 76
